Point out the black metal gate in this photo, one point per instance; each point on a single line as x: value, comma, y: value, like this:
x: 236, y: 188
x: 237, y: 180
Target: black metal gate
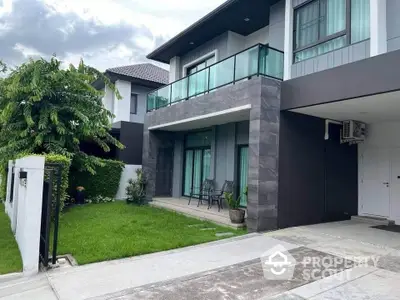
x: 50, y: 213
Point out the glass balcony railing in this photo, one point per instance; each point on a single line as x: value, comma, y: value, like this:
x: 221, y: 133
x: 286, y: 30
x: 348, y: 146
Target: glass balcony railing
x: 259, y: 60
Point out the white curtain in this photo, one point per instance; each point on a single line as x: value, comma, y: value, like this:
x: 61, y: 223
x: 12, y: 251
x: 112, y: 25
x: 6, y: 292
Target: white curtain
x: 307, y: 20
x: 360, y: 24
x: 335, y: 19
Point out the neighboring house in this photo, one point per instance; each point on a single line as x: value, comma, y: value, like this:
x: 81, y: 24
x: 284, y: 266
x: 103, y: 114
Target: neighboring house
x: 256, y: 95
x: 133, y: 82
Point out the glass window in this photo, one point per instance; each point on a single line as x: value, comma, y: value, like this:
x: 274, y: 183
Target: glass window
x: 360, y: 20
x: 320, y: 26
x: 201, y: 65
x: 320, y: 49
x: 133, y: 107
x: 318, y: 20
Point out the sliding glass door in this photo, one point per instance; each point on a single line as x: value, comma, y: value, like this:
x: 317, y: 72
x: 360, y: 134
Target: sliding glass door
x: 197, y: 160
x: 196, y: 169
x: 243, y: 174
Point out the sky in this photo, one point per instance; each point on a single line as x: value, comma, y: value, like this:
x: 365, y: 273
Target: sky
x: 105, y: 33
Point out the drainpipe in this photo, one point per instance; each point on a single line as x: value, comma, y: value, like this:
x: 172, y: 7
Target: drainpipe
x: 327, y: 122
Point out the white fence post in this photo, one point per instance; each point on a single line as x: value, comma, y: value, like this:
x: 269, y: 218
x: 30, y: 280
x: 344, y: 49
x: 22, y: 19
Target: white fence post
x: 26, y: 210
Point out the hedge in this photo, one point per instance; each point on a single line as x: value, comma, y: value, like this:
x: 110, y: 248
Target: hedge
x: 49, y: 158
x: 65, y: 163
x: 104, y: 183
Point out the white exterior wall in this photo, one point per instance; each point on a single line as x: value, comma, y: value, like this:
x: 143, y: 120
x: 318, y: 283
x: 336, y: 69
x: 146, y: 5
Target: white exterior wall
x: 122, y: 106
x: 108, y: 99
x: 129, y: 172
x: 378, y: 27
x: 384, y: 136
x: 25, y: 211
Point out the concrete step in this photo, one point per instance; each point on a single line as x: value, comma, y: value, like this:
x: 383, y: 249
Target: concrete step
x: 372, y: 220
x: 22, y: 284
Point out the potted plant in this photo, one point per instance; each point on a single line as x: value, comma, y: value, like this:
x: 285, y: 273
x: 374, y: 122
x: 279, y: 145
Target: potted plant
x: 80, y: 195
x: 235, y: 213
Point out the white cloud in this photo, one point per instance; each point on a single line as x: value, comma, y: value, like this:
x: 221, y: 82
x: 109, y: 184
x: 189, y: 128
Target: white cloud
x: 106, y: 33
x: 27, y: 51
x: 5, y: 7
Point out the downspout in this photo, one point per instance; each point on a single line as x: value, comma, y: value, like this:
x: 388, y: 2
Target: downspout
x: 327, y: 122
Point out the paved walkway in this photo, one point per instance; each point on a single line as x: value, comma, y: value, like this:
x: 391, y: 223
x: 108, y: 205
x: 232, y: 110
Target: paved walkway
x: 231, y: 269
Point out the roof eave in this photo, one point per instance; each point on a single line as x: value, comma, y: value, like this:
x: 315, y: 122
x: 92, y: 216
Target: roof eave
x: 154, y: 55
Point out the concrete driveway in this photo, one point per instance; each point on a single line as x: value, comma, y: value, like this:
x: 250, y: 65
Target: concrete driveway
x: 341, y: 260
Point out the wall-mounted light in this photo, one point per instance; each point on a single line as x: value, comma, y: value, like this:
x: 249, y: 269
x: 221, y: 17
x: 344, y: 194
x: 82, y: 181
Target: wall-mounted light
x: 246, y: 19
x: 23, y: 175
x: 191, y: 43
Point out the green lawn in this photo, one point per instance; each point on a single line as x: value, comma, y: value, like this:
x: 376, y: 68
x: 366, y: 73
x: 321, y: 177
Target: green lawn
x: 99, y: 232
x: 10, y: 258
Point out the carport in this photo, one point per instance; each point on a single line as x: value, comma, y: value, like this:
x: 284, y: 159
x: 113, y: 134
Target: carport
x: 326, y: 180
x: 378, y: 156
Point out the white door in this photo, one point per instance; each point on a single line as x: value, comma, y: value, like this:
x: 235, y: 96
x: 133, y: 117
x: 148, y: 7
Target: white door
x: 395, y: 186
x: 375, y: 182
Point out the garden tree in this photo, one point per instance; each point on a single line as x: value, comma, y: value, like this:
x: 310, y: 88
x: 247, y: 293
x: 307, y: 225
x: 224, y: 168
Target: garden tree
x: 45, y: 108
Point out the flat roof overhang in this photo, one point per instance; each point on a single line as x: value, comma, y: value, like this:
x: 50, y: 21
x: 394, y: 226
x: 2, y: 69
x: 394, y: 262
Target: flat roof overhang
x: 383, y: 107
x: 235, y: 114
x: 372, y: 76
x: 230, y: 15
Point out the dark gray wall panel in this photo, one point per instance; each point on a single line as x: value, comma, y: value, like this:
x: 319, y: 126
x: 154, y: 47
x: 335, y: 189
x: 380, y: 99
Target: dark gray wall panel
x: 301, y: 168
x: 131, y: 135
x: 317, y: 178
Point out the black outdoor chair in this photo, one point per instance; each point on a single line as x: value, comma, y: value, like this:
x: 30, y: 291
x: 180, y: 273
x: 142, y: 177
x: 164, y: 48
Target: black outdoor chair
x: 203, y: 192
x: 219, y: 195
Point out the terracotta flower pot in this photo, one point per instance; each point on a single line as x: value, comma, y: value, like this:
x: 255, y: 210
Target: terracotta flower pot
x: 236, y: 216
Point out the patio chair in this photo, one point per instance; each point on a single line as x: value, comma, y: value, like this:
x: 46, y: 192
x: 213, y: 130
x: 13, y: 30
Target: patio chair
x: 219, y: 195
x: 203, y: 192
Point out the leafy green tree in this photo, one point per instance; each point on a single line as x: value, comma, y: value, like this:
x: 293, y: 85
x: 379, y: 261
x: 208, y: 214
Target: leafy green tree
x: 47, y: 109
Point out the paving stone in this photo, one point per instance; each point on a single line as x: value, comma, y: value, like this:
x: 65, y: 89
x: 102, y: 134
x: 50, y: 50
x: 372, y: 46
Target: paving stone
x: 219, y: 234
x: 194, y: 225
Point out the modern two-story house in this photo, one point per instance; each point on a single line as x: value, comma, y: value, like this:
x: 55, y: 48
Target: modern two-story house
x: 257, y: 95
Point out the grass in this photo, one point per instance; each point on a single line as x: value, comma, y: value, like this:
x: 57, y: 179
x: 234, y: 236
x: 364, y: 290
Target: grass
x: 99, y: 232
x: 10, y: 258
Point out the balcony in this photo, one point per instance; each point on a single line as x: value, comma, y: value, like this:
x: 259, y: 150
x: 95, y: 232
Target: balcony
x: 259, y: 60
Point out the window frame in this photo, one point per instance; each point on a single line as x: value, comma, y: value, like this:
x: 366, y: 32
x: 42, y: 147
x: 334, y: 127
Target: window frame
x: 136, y: 104
x: 346, y: 32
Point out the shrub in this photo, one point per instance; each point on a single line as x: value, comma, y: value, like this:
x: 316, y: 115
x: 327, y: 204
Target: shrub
x: 3, y: 182
x: 99, y: 199
x: 136, y: 189
x: 104, y: 183
x: 65, y: 163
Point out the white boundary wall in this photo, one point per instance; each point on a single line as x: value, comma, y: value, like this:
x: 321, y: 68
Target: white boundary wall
x: 129, y: 172
x: 25, y: 211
